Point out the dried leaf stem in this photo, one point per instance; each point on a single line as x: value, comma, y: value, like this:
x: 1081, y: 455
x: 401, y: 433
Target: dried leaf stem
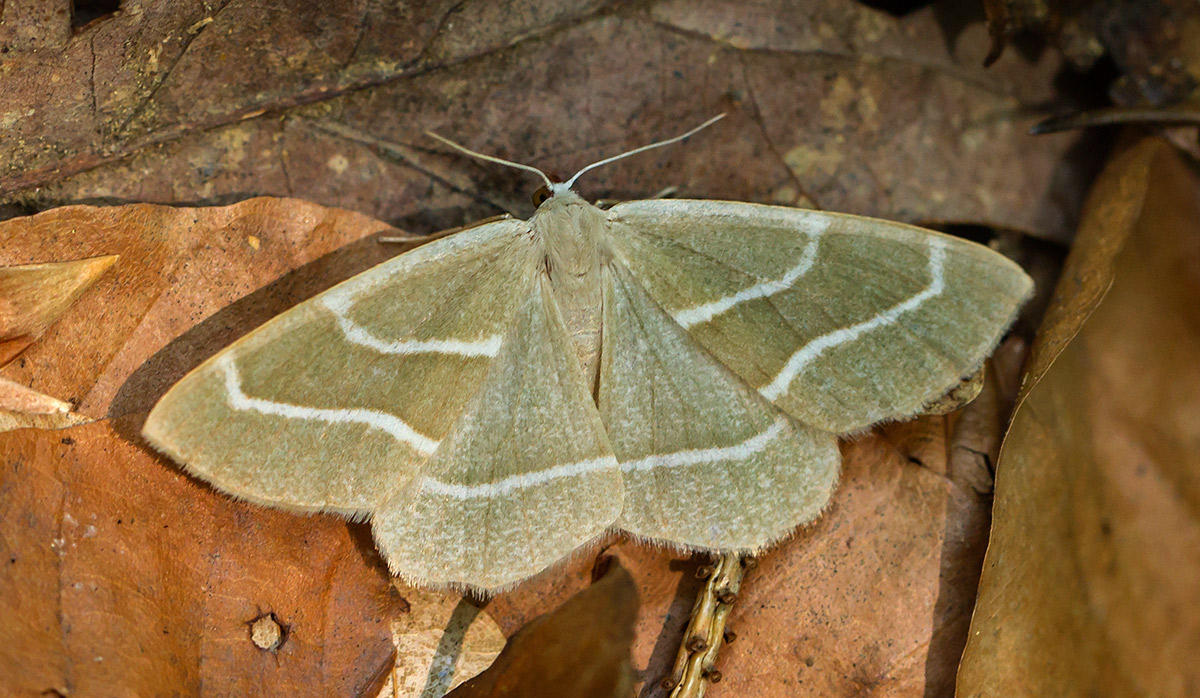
x: 694, y: 665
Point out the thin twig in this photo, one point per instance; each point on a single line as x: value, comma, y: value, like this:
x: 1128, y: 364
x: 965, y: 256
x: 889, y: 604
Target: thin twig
x: 694, y: 665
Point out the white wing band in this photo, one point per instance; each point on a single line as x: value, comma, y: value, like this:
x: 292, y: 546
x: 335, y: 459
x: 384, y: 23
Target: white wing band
x: 359, y: 335
x: 516, y: 482
x: 706, y: 312
x: 807, y: 353
x: 383, y: 421
x: 740, y: 451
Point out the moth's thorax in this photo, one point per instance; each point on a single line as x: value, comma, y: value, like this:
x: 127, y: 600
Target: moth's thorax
x: 572, y: 232
x: 573, y: 237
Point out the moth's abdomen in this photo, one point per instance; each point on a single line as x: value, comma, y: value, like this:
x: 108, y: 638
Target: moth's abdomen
x: 579, y: 301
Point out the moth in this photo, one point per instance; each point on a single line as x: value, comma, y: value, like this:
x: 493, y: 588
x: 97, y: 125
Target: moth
x: 677, y: 369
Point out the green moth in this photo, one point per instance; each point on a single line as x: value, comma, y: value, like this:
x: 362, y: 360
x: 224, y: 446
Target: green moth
x: 680, y: 370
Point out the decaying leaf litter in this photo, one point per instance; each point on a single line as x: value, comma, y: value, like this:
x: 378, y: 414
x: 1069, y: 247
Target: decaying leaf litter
x: 816, y: 113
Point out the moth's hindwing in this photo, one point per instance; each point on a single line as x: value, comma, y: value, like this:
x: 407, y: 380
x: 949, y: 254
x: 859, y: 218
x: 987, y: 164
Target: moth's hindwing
x: 707, y: 461
x: 525, y: 476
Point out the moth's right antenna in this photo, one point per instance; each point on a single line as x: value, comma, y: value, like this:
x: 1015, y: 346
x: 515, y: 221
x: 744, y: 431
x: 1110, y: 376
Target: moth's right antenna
x: 491, y: 158
x: 571, y: 182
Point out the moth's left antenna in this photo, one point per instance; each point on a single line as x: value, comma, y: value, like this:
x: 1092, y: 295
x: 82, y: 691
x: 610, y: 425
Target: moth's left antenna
x: 491, y: 158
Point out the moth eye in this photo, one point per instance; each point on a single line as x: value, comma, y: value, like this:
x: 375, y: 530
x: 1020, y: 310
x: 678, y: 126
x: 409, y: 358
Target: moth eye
x: 540, y: 196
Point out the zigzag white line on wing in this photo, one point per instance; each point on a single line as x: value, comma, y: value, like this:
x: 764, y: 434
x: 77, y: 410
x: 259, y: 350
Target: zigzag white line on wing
x: 360, y: 335
x: 796, y: 363
x: 740, y: 451
x: 706, y: 312
x: 383, y: 421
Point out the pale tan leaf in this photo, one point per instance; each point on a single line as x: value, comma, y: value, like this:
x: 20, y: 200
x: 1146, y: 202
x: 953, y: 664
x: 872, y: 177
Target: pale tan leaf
x: 22, y: 407
x: 1089, y: 587
x: 441, y: 642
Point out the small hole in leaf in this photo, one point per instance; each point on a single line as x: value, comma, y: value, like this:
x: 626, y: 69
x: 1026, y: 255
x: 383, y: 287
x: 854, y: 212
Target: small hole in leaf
x: 84, y: 12
x: 896, y: 8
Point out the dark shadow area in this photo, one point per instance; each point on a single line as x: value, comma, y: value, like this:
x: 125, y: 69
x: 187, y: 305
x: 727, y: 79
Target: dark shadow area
x: 1088, y: 89
x: 16, y: 209
x: 364, y: 545
x: 960, y: 569
x: 671, y: 634
x: 430, y: 220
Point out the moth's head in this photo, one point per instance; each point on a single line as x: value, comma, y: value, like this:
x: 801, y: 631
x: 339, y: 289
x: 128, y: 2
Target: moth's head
x: 552, y: 190
x: 548, y: 191
x: 562, y: 190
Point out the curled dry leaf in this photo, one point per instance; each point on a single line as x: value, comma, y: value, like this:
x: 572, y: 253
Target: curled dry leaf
x: 579, y: 649
x: 121, y: 576
x: 1090, y: 582
x: 33, y: 296
x: 1112, y: 212
x: 442, y: 641
x: 22, y: 407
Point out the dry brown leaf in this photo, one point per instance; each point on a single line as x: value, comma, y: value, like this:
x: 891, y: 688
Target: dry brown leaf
x: 150, y: 73
x: 830, y: 593
x: 1090, y: 582
x: 832, y: 104
x: 122, y: 576
x: 876, y: 596
x: 579, y: 649
x: 33, y: 296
